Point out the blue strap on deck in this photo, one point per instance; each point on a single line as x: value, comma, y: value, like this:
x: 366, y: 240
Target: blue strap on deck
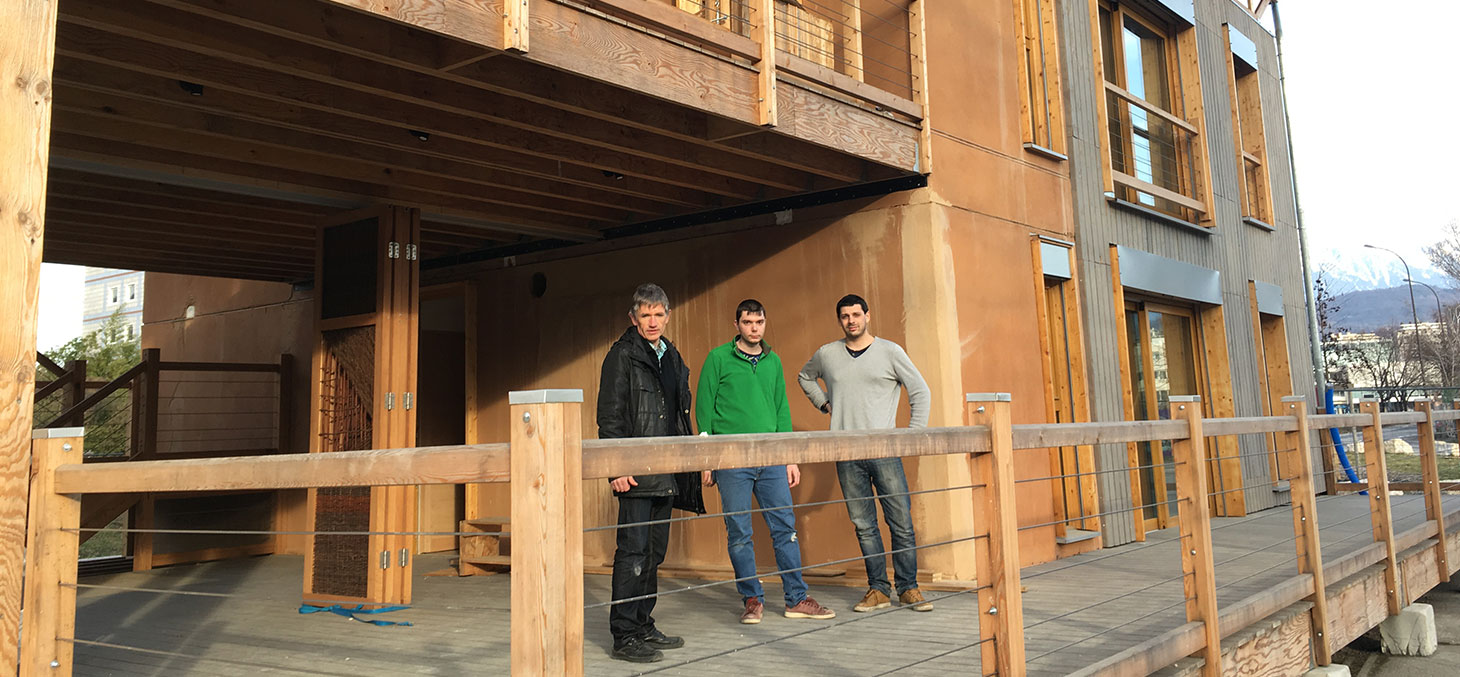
x: 341, y: 610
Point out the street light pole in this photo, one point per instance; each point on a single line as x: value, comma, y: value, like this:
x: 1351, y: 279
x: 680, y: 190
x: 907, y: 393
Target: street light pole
x: 1444, y: 330
x: 1413, y: 310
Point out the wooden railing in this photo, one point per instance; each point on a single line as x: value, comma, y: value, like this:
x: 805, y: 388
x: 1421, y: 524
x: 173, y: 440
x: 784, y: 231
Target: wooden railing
x: 1152, y: 152
x: 547, y: 458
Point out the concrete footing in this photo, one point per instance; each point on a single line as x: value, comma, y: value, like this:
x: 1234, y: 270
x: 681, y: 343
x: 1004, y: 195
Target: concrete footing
x: 1335, y: 670
x: 1411, y: 632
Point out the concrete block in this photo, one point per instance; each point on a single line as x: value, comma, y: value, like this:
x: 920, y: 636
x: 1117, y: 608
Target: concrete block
x: 1411, y: 632
x: 1335, y: 670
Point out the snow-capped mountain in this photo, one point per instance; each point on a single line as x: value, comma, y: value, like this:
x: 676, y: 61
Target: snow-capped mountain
x: 1357, y: 269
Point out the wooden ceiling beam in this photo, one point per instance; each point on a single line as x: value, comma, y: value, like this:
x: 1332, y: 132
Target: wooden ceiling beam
x: 90, y: 180
x: 84, y: 256
x: 205, y: 35
x: 182, y: 209
x: 97, y: 231
x: 92, y: 144
x: 382, y: 41
x: 404, y: 168
x: 106, y: 78
x: 162, y: 231
x: 146, y: 250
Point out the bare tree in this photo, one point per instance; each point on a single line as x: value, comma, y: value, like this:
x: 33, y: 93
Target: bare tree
x: 1445, y: 254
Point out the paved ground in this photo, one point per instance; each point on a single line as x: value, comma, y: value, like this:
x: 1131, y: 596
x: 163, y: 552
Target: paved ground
x: 242, y: 616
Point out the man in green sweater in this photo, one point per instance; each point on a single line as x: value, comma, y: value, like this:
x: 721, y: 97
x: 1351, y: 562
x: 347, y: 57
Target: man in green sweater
x: 742, y: 389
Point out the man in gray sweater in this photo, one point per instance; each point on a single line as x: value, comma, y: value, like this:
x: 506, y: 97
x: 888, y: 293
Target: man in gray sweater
x: 864, y: 376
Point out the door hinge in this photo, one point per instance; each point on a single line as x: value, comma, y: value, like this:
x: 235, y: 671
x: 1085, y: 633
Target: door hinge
x: 385, y: 559
x: 393, y: 251
x: 405, y: 557
x: 410, y: 252
x: 409, y: 399
x: 389, y: 401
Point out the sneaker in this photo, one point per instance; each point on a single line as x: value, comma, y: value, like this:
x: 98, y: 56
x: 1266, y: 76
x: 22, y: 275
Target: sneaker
x: 634, y: 650
x: 808, y: 608
x: 914, y: 598
x: 658, y: 640
x: 753, y: 611
x: 874, y: 599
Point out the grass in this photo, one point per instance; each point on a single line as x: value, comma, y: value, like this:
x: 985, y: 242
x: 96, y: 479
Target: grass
x: 1405, y: 464
x: 107, y: 543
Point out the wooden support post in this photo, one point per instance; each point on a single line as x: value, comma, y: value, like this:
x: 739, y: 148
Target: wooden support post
x: 852, y: 46
x: 918, y: 66
x: 50, y: 562
x: 1380, y: 512
x: 75, y: 391
x: 1434, y: 507
x: 286, y: 404
x: 26, y: 59
x: 1000, y: 603
x: 143, y: 518
x: 1305, y: 521
x: 763, y: 32
x: 1200, y: 581
x: 515, y: 25
x: 151, y: 397
x: 547, y: 532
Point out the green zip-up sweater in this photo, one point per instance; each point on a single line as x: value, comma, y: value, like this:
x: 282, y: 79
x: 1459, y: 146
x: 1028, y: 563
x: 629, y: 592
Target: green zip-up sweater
x: 735, y: 396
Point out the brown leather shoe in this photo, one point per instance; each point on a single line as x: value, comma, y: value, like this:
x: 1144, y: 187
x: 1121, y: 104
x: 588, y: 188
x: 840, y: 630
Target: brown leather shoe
x: 752, y: 613
x: 874, y: 599
x: 808, y: 608
x: 914, y: 598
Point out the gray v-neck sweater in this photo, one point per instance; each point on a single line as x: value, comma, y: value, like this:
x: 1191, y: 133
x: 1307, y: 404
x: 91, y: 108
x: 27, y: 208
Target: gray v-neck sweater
x: 864, y: 391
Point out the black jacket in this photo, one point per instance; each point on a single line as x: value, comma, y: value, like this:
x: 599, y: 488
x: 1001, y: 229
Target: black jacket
x: 631, y: 403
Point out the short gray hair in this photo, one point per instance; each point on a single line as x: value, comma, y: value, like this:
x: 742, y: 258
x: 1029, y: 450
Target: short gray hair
x: 649, y: 294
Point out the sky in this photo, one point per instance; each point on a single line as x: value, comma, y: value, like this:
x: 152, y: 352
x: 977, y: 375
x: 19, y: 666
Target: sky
x: 1371, y: 93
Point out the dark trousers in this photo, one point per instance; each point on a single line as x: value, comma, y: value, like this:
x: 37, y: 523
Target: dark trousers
x: 636, y: 564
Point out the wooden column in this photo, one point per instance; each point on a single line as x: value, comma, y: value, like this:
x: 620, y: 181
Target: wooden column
x: 1000, y: 603
x: 918, y: 67
x: 547, y: 532
x: 515, y: 14
x: 1380, y: 512
x: 50, y: 564
x: 26, y: 57
x: 763, y: 31
x: 1200, y: 582
x: 1434, y: 507
x: 75, y: 391
x: 1305, y: 521
x: 151, y: 399
x: 853, y: 43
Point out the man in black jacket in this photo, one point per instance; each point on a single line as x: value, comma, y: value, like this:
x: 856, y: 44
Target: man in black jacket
x: 644, y: 392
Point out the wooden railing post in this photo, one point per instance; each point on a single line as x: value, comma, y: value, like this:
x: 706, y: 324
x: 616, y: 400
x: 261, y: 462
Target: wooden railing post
x: 547, y: 532
x: 286, y: 403
x: 763, y: 32
x: 1000, y: 603
x: 1200, y: 581
x: 49, y: 598
x: 1380, y: 512
x: 515, y: 25
x: 151, y: 399
x: 1305, y: 522
x: 917, y: 23
x: 75, y: 391
x: 1434, y: 507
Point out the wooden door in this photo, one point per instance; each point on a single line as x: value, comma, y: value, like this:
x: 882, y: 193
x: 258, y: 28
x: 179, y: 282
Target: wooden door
x: 363, y: 388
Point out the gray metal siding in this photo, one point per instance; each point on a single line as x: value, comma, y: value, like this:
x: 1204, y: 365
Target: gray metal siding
x: 1239, y: 251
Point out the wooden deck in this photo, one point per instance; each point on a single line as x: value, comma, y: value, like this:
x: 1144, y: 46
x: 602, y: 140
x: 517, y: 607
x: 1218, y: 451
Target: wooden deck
x: 1077, y: 611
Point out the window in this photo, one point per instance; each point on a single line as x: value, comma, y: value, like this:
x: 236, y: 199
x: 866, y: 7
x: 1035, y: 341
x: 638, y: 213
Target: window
x: 131, y: 291
x: 114, y: 295
x: 1153, y: 113
x: 1244, y: 85
x: 1039, y: 76
x: 131, y: 332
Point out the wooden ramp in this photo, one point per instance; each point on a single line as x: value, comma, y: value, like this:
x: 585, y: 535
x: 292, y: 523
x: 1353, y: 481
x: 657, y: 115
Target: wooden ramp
x: 241, y: 616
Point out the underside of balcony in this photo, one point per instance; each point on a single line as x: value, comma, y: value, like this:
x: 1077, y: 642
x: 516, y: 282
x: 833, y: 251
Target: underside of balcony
x: 213, y: 136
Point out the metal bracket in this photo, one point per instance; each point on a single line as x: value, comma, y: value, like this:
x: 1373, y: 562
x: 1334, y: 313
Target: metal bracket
x: 405, y: 557
x: 389, y: 401
x: 409, y: 398
x: 393, y: 250
x: 410, y: 252
x: 385, y: 559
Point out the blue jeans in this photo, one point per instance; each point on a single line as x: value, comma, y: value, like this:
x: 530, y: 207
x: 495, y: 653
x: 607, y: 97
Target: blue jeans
x: 885, y: 475
x: 771, y: 490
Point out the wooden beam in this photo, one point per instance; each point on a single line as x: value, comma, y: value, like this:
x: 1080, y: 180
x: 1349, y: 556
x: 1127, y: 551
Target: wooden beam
x: 1122, y: 353
x: 50, y: 563
x: 1232, y: 502
x: 763, y: 32
x: 1380, y: 512
x: 547, y: 532
x: 25, y: 121
x: 1305, y: 523
x: 515, y: 25
x: 1132, y: 182
x: 1200, y: 583
x: 918, y: 68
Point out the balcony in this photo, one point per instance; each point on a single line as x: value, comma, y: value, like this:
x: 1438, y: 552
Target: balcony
x: 1153, y: 156
x: 244, y: 122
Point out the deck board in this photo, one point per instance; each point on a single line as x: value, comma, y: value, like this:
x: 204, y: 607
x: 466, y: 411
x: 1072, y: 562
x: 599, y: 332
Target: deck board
x: 1077, y: 611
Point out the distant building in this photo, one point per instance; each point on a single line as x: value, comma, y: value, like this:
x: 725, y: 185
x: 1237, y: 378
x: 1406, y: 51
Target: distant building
x: 108, y: 290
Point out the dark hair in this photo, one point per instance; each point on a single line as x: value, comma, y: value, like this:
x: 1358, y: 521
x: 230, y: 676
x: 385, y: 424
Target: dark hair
x: 751, y: 306
x: 851, y: 300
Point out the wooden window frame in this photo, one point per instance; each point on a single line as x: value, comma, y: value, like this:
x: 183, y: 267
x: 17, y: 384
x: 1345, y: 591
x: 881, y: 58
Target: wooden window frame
x: 1249, y: 136
x: 1184, y: 81
x: 1041, y: 88
x: 1274, y: 371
